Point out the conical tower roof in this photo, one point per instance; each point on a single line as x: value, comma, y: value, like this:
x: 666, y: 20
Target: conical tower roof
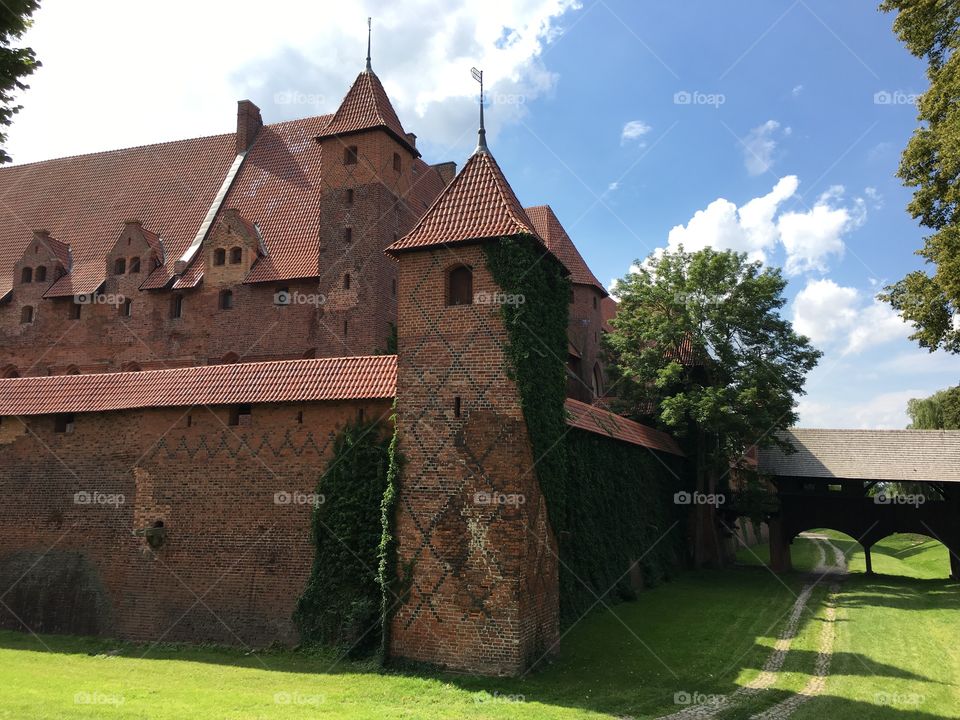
x: 555, y: 236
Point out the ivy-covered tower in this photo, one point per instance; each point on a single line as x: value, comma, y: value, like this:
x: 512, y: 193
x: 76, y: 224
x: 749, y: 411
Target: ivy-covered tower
x: 477, y: 569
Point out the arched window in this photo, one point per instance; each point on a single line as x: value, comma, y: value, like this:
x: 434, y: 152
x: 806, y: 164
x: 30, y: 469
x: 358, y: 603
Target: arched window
x: 72, y: 370
x: 219, y: 256
x: 126, y: 308
x: 236, y: 255
x: 346, y: 281
x: 226, y: 300
x: 119, y: 266
x: 597, y: 380
x: 135, y: 265
x: 26, y: 315
x: 26, y: 275
x: 230, y: 358
x: 41, y: 274
x: 460, y: 286
x: 130, y: 367
x: 10, y: 371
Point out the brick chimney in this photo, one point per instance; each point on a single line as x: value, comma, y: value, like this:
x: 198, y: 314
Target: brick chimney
x: 249, y: 123
x: 447, y: 170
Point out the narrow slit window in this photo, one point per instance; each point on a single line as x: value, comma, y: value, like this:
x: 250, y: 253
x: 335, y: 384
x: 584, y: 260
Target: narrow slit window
x: 226, y: 300
x: 176, y: 307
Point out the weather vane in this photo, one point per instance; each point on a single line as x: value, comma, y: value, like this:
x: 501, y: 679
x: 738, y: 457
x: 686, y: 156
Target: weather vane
x: 482, y: 133
x: 368, y: 44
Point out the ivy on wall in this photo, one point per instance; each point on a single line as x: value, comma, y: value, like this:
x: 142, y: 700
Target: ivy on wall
x: 341, y: 604
x: 391, y: 588
x: 610, y: 503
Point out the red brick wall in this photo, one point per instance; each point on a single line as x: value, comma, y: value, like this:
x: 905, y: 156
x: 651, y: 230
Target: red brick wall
x: 484, y: 595
x: 236, y: 557
x: 585, y: 331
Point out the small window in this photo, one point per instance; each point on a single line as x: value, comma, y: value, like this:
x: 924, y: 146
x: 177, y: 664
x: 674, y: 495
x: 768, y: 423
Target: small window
x: 345, y: 328
x: 350, y: 155
x: 63, y: 423
x: 360, y: 415
x: 594, y: 302
x: 26, y: 315
x: 219, y: 256
x: 456, y: 406
x: 40, y: 275
x: 236, y: 255
x: 10, y: 371
x: 176, y: 307
x: 119, y: 266
x: 348, y: 234
x: 134, y: 265
x: 349, y: 198
x: 26, y: 275
x: 240, y: 415
x: 300, y: 417
x: 460, y: 286
x: 126, y: 308
x: 72, y: 370
x: 397, y: 165
x: 131, y: 367
x: 75, y: 308
x: 189, y: 420
x: 226, y: 300
x: 346, y: 281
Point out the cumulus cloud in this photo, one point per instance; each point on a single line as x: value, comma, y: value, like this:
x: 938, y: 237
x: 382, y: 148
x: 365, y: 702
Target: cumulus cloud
x: 809, y: 237
x: 886, y: 411
x: 303, y: 61
x: 633, y: 131
x: 797, y: 89
x: 759, y: 146
x: 833, y: 316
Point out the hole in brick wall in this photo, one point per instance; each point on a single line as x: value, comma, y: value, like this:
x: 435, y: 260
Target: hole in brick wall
x: 349, y: 198
x: 156, y: 534
x: 240, y: 415
x: 300, y: 417
x: 346, y: 281
x: 189, y: 420
x: 63, y: 423
x: 219, y: 256
x: 456, y: 406
x: 348, y: 234
x: 345, y: 328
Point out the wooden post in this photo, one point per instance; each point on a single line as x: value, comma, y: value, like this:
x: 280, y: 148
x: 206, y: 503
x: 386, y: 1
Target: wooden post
x: 780, y: 561
x: 866, y: 555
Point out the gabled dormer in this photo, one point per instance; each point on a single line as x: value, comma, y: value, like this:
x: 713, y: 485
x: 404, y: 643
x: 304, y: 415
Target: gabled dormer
x: 137, y: 252
x: 232, y: 248
x: 44, y: 261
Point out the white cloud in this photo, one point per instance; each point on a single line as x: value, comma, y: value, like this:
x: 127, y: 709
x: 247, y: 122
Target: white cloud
x: 613, y: 186
x: 836, y: 317
x: 634, y: 130
x: 797, y: 90
x: 885, y: 411
x: 759, y: 146
x: 310, y: 53
x: 811, y: 237
x: 874, y: 196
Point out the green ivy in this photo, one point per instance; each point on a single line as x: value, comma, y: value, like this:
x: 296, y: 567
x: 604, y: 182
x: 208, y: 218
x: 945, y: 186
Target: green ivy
x: 610, y: 503
x: 341, y: 604
x: 390, y: 587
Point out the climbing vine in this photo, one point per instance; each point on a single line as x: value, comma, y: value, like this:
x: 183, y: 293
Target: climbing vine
x: 341, y: 604
x: 390, y: 587
x: 610, y: 504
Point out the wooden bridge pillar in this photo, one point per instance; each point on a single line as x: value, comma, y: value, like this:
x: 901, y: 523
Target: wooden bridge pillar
x: 868, y: 559
x: 780, y: 561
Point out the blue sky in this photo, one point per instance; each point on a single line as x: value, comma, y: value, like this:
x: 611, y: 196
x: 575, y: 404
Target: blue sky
x: 643, y: 124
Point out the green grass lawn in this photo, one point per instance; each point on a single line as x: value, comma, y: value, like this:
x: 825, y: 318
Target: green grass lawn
x: 896, y: 658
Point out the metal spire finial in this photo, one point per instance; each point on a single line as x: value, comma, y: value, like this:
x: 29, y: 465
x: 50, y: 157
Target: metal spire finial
x: 481, y: 133
x: 369, y: 69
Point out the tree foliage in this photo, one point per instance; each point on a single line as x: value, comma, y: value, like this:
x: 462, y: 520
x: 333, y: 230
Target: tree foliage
x: 931, y: 164
x: 940, y: 411
x: 714, y: 311
x: 15, y: 63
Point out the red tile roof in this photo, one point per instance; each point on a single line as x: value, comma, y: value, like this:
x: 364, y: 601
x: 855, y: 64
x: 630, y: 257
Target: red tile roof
x: 366, y: 106
x: 479, y: 203
x: 560, y: 244
x: 345, y: 378
x: 84, y: 201
x: 593, y: 419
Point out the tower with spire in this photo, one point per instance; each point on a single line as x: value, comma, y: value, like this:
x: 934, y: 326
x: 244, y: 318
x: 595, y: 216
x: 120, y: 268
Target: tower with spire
x: 484, y: 587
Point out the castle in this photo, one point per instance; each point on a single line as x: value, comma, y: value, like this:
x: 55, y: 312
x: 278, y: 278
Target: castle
x: 185, y: 327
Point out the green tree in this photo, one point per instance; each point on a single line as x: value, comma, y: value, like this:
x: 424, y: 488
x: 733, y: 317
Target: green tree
x: 699, y: 346
x: 940, y: 411
x: 15, y: 63
x: 931, y: 164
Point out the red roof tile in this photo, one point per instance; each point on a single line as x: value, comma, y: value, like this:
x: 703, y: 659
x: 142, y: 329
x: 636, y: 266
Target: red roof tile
x: 593, y: 419
x: 84, y: 201
x: 345, y: 378
x: 479, y: 203
x: 366, y: 106
x: 560, y: 244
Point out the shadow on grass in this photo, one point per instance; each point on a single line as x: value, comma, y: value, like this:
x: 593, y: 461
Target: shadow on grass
x: 700, y: 633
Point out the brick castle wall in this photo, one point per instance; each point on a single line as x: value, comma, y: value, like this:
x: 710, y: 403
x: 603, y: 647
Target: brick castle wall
x: 233, y: 500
